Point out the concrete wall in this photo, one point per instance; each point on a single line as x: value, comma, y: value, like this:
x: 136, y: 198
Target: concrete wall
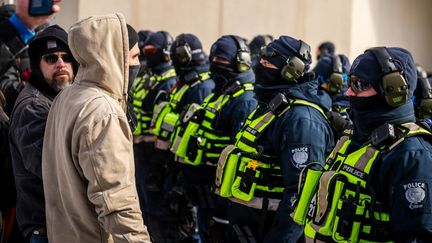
x: 401, y: 23
x: 353, y: 25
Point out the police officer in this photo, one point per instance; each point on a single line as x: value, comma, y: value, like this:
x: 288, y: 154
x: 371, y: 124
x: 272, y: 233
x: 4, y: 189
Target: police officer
x: 324, y: 49
x: 376, y: 185
x: 143, y: 36
x: 256, y: 44
x: 193, y: 86
x: 159, y: 77
x: 332, y: 73
x: 214, y: 125
x: 423, y: 96
x: 285, y: 133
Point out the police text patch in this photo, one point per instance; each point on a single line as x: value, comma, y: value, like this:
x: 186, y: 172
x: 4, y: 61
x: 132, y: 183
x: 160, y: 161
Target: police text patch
x: 299, y: 155
x: 416, y: 195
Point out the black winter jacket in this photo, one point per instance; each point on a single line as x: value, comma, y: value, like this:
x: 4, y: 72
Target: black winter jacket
x: 26, y: 137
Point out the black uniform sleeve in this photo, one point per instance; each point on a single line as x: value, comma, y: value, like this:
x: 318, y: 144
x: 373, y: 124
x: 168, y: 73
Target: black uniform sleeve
x: 406, y: 183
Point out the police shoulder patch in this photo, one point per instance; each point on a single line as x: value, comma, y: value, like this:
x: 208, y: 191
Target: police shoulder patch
x: 416, y: 195
x: 299, y: 155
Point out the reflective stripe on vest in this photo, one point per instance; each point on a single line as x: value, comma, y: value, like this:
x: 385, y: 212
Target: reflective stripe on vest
x: 140, y: 89
x: 246, y: 139
x: 200, y: 142
x: 244, y: 173
x: 335, y: 203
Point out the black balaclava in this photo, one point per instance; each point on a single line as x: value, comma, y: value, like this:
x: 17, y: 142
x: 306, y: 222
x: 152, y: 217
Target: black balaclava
x: 284, y: 48
x: 133, y: 72
x: 326, y: 48
x: 133, y: 69
x: 51, y: 39
x: 163, y: 44
x: 224, y: 74
x: 368, y: 113
x: 197, y: 55
x: 143, y: 36
x: 259, y: 41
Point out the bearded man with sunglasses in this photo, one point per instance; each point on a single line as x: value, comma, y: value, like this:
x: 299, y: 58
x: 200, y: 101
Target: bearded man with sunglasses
x: 53, y: 69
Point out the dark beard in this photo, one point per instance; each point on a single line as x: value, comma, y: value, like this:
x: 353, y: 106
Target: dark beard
x: 57, y: 82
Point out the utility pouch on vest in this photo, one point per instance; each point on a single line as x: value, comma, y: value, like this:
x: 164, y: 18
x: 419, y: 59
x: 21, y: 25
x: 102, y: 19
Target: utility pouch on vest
x: 182, y: 139
x: 349, y: 217
x: 309, y: 179
x: 168, y: 124
x: 246, y: 180
x: 194, y: 153
x: 148, y: 82
x: 159, y: 112
x: 330, y: 189
x: 189, y: 121
x: 190, y: 112
x: 226, y: 170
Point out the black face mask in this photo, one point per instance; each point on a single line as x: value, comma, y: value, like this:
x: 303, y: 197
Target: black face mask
x: 265, y: 75
x: 221, y: 75
x: 132, y: 119
x: 155, y: 60
x: 371, y: 103
x: 133, y: 72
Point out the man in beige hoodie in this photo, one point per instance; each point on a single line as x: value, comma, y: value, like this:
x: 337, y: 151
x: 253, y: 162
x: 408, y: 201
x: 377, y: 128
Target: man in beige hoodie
x: 87, y: 161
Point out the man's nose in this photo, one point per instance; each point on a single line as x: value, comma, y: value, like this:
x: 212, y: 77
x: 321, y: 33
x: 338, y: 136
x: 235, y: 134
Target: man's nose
x: 60, y: 63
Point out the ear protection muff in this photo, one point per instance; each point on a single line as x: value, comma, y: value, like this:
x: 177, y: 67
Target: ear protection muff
x: 295, y: 65
x: 166, y: 46
x: 336, y: 78
x: 393, y: 83
x: 243, y: 57
x: 182, y: 52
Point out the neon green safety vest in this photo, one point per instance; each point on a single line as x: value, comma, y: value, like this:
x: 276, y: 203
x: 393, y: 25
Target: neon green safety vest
x: 165, y: 116
x: 243, y: 174
x: 141, y: 88
x: 196, y: 141
x: 335, y: 202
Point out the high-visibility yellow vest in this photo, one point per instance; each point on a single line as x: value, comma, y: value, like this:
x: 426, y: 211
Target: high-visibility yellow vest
x: 140, y: 89
x: 335, y: 201
x: 196, y: 141
x: 247, y: 176
x: 165, y: 116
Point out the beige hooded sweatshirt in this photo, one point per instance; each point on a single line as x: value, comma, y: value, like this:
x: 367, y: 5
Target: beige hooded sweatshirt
x: 87, y: 161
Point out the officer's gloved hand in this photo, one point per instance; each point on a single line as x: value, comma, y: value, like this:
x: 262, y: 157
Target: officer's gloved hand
x: 338, y: 123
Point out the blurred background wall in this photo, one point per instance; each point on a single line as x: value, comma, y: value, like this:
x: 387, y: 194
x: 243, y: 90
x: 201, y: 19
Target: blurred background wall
x: 353, y: 25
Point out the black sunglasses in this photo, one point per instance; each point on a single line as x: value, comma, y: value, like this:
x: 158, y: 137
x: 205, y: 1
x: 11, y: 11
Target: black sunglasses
x: 267, y: 51
x: 357, y: 85
x: 53, y: 58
